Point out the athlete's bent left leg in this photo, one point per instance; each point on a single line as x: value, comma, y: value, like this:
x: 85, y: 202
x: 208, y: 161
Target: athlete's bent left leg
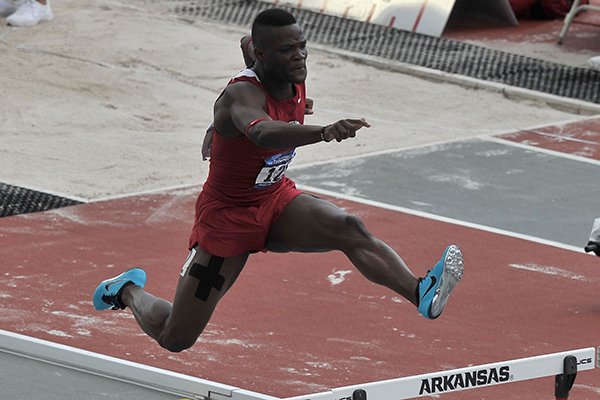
x: 203, y: 281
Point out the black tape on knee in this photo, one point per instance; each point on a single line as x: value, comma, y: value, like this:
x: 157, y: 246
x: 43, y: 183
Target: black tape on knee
x: 210, y: 277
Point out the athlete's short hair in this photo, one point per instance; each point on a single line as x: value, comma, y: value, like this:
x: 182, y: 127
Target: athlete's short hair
x: 267, y: 19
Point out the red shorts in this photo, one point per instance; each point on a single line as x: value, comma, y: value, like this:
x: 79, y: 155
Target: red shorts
x: 228, y: 230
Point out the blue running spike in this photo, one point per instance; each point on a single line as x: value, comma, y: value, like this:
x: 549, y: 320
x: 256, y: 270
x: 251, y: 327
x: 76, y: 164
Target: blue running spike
x: 108, y: 292
x: 437, y: 285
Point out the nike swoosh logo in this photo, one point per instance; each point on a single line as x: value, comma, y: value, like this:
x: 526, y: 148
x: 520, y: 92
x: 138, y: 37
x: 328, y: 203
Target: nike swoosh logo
x: 433, y: 282
x: 108, y: 285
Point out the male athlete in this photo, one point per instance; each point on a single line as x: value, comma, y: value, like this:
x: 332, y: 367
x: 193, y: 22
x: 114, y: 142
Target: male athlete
x: 247, y: 204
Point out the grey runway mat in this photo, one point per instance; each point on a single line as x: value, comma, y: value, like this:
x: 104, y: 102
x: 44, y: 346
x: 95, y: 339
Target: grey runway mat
x: 25, y: 378
x: 441, y: 54
x: 482, y: 182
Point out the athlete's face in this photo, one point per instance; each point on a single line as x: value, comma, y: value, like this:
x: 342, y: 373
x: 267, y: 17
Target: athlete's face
x: 283, y: 54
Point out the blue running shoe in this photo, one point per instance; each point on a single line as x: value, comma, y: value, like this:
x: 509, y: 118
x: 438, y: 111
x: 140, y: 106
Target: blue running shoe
x: 437, y: 285
x: 108, y: 292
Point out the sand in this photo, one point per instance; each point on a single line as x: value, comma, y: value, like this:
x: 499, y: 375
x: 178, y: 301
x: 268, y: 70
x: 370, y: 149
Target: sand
x: 112, y: 98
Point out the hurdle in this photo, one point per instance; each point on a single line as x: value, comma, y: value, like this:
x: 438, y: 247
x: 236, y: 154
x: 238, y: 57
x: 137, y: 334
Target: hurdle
x: 474, y: 377
x: 563, y: 365
x: 122, y: 370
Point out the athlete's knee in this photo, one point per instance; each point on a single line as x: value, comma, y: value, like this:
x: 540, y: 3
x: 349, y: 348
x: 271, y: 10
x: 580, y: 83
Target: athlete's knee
x: 176, y: 343
x: 351, y: 233
x: 354, y: 224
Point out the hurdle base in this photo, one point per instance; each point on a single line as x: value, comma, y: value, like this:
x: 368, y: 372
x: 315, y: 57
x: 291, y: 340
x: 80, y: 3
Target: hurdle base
x: 564, y: 382
x: 359, y: 394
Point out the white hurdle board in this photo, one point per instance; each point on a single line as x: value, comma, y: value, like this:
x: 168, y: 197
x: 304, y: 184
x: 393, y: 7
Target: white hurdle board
x: 121, y: 370
x: 430, y: 384
x: 438, y: 383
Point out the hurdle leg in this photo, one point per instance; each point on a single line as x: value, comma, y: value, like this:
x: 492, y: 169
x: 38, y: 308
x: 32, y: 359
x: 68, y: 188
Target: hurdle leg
x: 359, y: 394
x: 564, y: 382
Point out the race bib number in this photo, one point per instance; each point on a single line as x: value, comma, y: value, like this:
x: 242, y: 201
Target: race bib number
x: 274, y: 169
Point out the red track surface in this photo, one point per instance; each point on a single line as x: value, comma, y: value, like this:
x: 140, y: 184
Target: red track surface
x: 285, y: 329
x: 578, y: 138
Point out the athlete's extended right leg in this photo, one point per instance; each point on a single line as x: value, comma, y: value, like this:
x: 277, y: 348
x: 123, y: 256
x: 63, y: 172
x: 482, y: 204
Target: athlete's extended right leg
x: 203, y: 281
x: 310, y: 224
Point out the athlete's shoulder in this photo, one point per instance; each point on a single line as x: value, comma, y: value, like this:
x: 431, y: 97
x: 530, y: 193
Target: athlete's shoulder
x: 246, y: 75
x: 244, y: 91
x: 241, y: 93
x: 245, y: 80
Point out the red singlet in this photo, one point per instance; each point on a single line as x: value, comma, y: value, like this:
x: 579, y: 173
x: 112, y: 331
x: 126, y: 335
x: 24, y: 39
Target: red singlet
x: 246, y: 189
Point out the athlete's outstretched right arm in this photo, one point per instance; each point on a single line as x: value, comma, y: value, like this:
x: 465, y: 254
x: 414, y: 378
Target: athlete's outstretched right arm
x: 241, y: 110
x: 278, y: 134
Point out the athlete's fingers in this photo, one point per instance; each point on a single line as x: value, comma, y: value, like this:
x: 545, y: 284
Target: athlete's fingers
x: 359, y: 123
x: 345, y: 128
x: 356, y: 124
x: 349, y: 129
x: 207, y: 142
x: 338, y: 129
x: 308, y: 109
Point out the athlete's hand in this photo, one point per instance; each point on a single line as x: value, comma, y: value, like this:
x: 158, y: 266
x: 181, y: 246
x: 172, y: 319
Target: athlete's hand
x: 207, y: 142
x: 308, y: 109
x: 344, y: 129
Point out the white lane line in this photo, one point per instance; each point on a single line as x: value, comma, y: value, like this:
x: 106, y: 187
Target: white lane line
x: 553, y: 153
x: 442, y: 219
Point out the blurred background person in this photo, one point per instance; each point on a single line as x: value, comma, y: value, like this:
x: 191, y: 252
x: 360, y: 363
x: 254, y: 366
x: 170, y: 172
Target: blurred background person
x: 25, y: 12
